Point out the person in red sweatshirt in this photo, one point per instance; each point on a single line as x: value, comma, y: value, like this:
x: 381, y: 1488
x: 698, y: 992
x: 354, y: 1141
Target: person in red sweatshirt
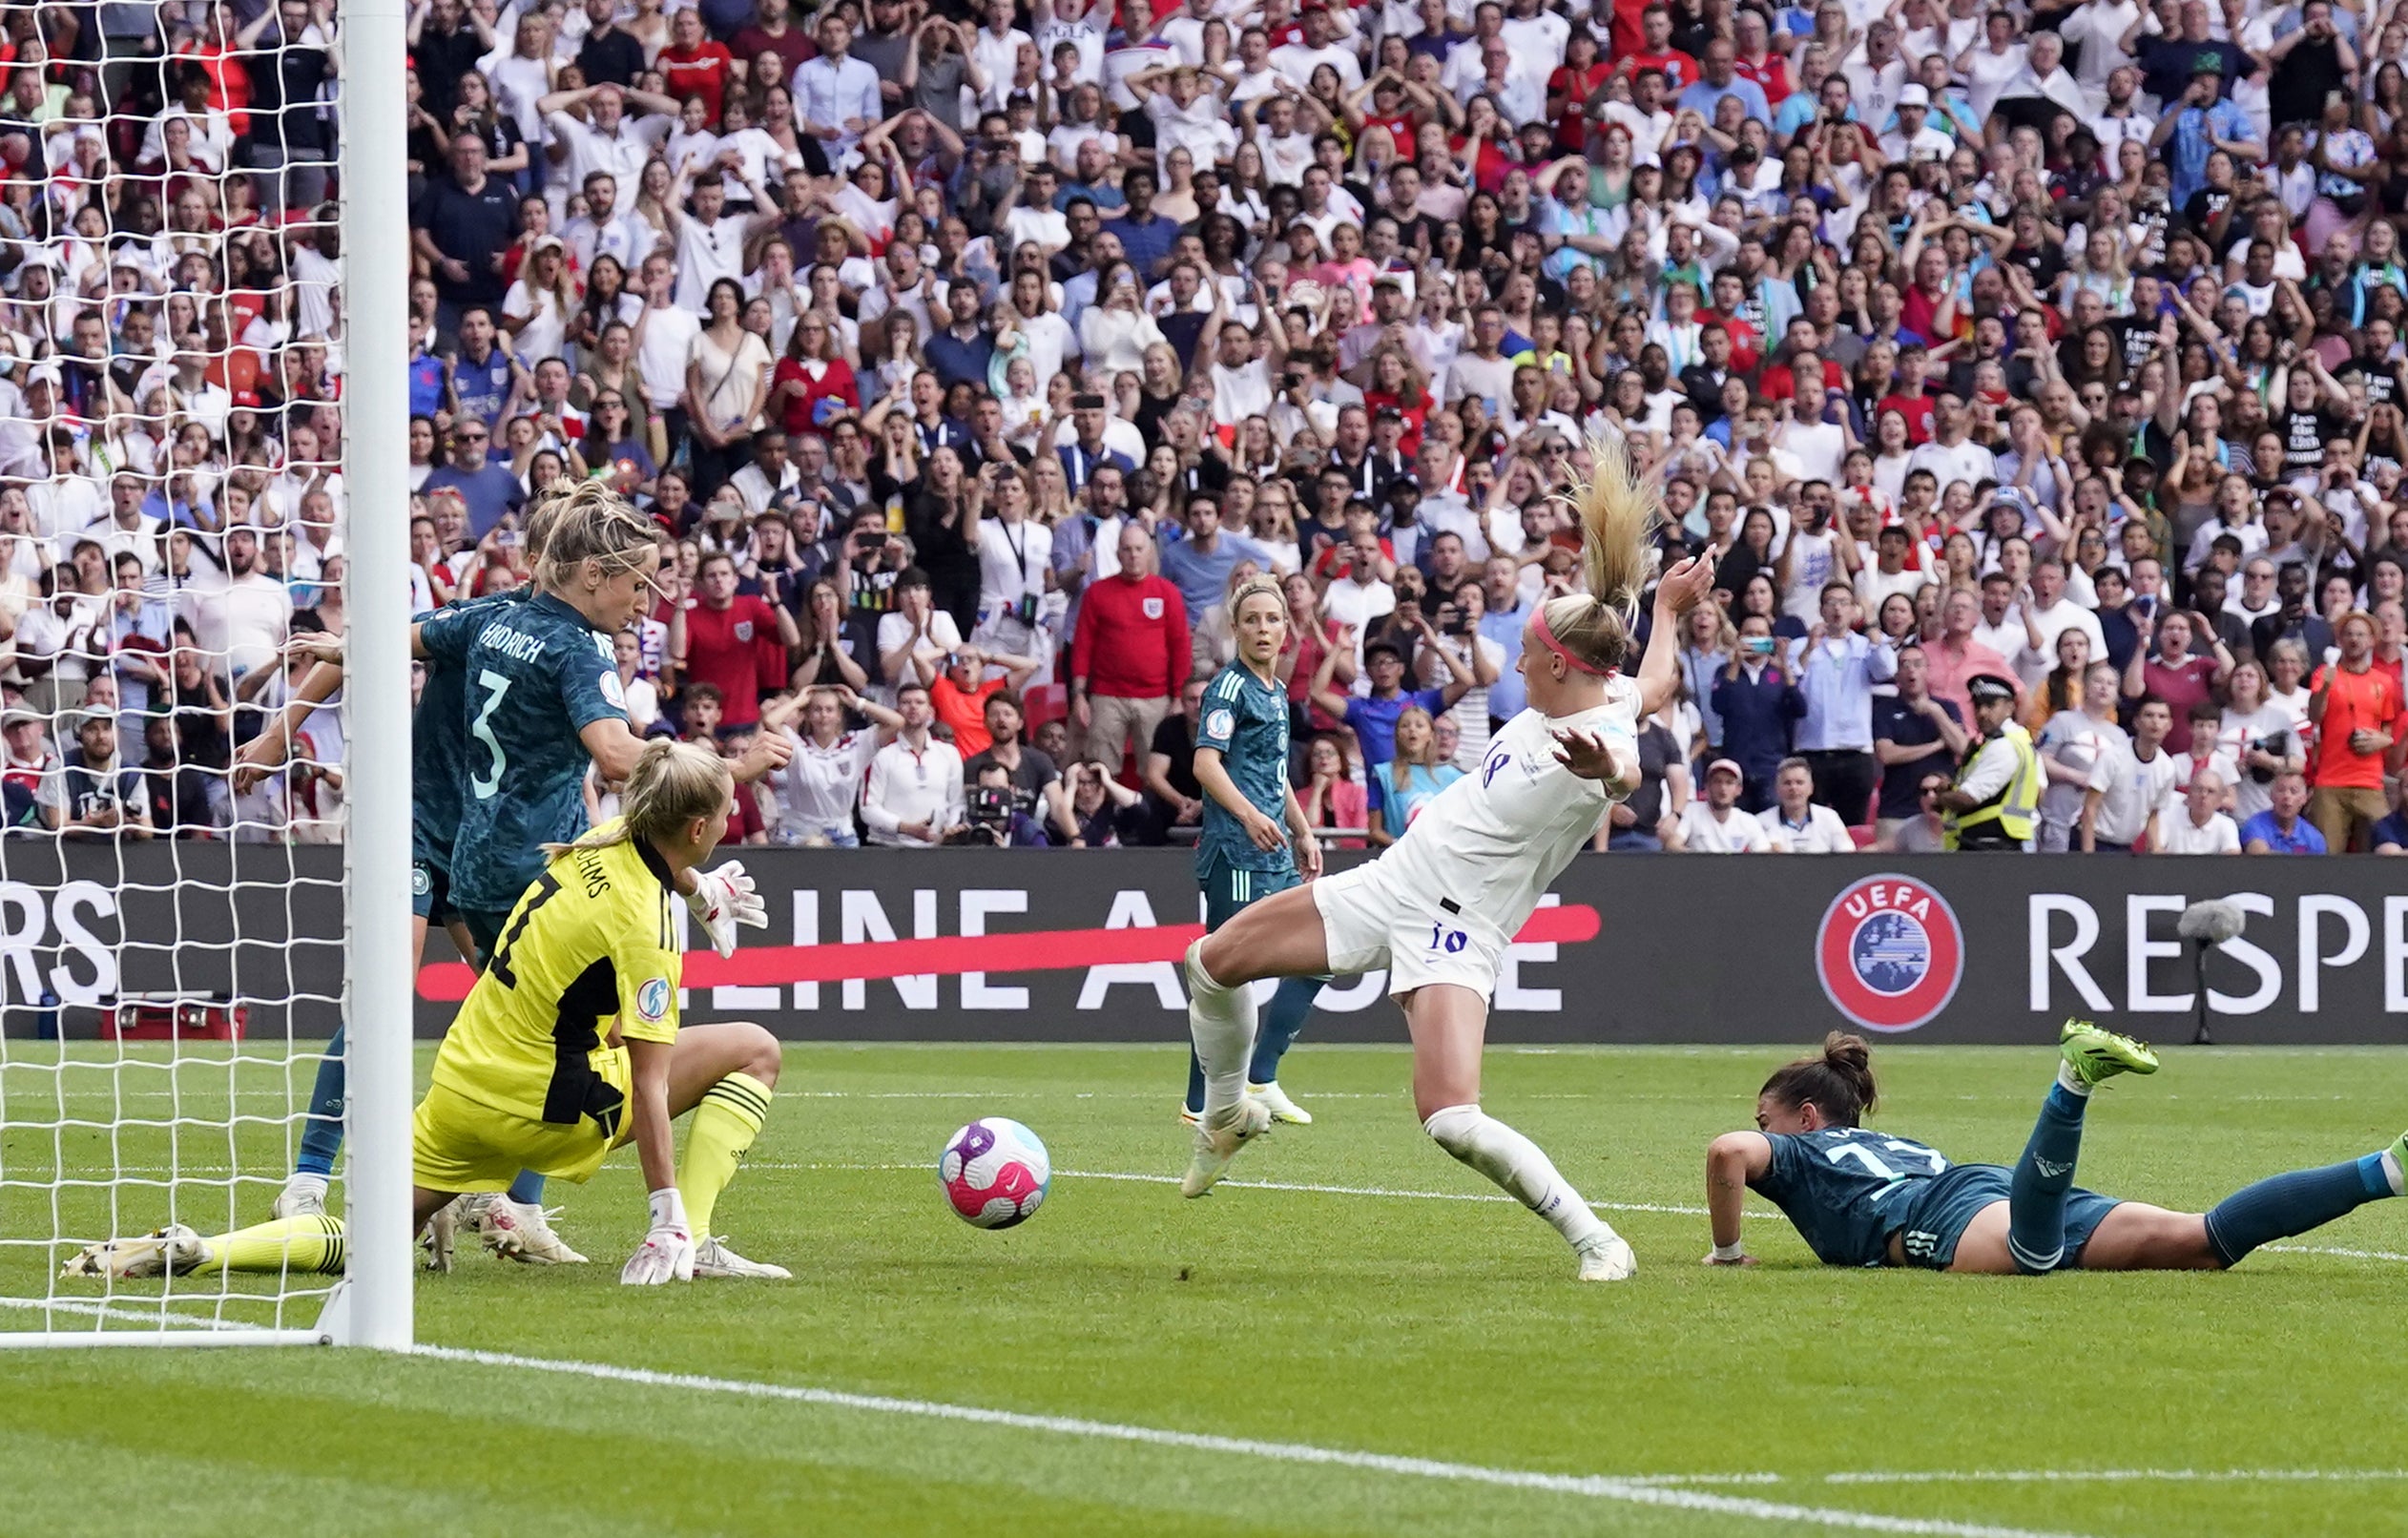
x: 733, y: 641
x: 1130, y: 655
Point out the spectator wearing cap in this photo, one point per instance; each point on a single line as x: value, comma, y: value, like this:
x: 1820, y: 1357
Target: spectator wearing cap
x: 1713, y: 823
x: 1372, y: 715
x: 2202, y: 120
x: 1993, y: 803
x: 2280, y: 829
x: 1796, y: 822
x: 105, y: 797
x: 1915, y: 735
x: 33, y: 784
x: 1914, y: 139
x: 1131, y: 651
x: 1759, y: 704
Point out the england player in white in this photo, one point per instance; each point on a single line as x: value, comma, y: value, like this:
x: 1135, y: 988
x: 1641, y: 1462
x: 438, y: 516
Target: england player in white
x: 1439, y: 906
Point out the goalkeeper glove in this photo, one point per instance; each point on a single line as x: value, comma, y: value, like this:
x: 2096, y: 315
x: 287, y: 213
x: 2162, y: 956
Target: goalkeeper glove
x: 667, y: 1253
x: 722, y: 899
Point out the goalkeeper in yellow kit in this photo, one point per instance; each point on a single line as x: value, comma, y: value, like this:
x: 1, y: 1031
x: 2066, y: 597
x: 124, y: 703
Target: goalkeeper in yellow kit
x: 567, y: 1047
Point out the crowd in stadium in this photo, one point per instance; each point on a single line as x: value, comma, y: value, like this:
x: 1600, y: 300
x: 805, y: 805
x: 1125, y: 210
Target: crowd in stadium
x: 2047, y: 354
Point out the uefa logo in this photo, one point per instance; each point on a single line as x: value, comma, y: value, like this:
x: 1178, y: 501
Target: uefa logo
x: 1889, y: 952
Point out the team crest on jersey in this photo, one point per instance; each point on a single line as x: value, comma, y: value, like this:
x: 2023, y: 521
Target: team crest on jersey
x: 421, y: 883
x: 1890, y: 953
x: 1152, y: 607
x: 651, y: 999
x: 1220, y: 724
x: 744, y: 632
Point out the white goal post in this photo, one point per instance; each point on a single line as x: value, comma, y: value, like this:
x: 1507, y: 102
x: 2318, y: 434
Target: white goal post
x: 166, y: 991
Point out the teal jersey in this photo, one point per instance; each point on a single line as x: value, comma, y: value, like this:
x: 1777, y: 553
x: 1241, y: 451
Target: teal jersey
x: 1247, y: 720
x: 439, y: 744
x: 1847, y: 1188
x: 530, y: 678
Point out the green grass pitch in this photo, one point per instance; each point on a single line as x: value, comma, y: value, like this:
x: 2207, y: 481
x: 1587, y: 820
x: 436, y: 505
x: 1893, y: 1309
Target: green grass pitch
x: 1371, y: 1316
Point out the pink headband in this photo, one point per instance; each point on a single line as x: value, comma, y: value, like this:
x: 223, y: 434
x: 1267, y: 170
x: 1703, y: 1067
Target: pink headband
x: 1547, y: 634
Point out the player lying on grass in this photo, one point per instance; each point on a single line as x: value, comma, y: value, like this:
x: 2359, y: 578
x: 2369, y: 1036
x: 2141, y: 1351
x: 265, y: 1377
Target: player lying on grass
x: 493, y: 785
x: 1439, y: 906
x: 1859, y: 1197
x: 567, y: 1047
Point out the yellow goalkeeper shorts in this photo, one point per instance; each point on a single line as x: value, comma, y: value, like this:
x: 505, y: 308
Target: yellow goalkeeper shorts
x: 459, y: 1144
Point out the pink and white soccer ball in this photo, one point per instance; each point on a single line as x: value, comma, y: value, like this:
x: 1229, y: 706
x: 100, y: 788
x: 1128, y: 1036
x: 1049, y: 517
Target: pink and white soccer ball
x: 995, y: 1172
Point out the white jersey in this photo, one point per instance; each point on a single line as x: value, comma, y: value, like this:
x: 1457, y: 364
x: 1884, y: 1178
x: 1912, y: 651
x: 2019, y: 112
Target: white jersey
x: 1494, y: 840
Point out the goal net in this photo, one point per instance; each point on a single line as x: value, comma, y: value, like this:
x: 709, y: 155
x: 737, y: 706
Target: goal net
x: 181, y: 438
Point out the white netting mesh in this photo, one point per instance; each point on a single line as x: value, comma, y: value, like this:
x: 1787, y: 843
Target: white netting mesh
x: 172, y: 510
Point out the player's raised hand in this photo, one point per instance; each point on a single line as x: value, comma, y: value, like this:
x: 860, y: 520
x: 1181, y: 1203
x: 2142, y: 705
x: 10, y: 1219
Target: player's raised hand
x: 768, y: 754
x: 1688, y: 582
x: 316, y: 645
x: 724, y: 898
x: 667, y: 1253
x: 260, y: 757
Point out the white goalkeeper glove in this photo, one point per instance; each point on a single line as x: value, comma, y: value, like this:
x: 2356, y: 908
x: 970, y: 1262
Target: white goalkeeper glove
x: 667, y: 1253
x: 722, y: 899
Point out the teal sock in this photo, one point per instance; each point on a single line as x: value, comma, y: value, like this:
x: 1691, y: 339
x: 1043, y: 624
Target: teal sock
x: 528, y: 1190
x: 1283, y: 1018
x: 2284, y: 1205
x: 2036, y: 1196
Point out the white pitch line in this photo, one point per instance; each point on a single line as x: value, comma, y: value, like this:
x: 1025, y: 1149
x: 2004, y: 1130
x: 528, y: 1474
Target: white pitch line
x: 1376, y: 1190
x: 1633, y: 1491
x: 2112, y: 1476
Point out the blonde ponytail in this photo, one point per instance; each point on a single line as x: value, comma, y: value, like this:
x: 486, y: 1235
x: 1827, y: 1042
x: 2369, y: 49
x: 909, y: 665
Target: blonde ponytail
x: 673, y: 784
x: 1618, y: 516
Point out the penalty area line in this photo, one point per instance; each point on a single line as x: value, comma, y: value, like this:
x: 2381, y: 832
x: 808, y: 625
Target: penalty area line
x: 1631, y: 1491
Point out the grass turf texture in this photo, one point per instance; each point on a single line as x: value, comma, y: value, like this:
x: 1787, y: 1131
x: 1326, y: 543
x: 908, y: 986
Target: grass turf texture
x: 1394, y: 1325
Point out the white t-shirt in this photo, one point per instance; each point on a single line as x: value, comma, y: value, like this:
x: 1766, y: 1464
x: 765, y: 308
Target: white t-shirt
x: 1494, y: 842
x: 1735, y: 833
x: 819, y: 788
x: 668, y: 335
x: 1012, y: 560
x: 2178, y: 835
x: 908, y: 784
x: 1824, y: 834
x: 2241, y: 733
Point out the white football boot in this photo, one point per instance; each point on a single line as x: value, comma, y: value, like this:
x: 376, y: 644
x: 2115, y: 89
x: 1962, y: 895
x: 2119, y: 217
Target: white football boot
x: 712, y: 1258
x: 1282, y: 1109
x: 1218, y: 1137
x: 1607, y: 1259
x: 170, y: 1251
x: 522, y: 1232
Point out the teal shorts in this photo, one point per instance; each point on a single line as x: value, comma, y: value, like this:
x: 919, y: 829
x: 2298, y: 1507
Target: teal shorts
x: 1941, y: 1209
x: 1228, y: 891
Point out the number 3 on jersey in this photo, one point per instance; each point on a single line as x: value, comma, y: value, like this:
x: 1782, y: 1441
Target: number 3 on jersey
x: 495, y: 687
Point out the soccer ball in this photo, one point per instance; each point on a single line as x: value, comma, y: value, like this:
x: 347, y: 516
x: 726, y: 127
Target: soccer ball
x: 995, y: 1172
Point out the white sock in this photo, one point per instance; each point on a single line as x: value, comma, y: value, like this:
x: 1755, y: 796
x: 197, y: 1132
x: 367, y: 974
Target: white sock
x: 2398, y: 1176
x: 303, y: 1180
x: 1517, y: 1165
x: 2071, y: 1081
x: 1222, y: 1022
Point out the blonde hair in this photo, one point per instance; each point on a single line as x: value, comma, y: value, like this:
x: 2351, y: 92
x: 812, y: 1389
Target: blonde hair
x: 590, y: 521
x: 1618, y: 514
x: 1257, y: 585
x: 673, y: 784
x: 1429, y: 758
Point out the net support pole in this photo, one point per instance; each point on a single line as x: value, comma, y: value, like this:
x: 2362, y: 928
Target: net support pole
x: 375, y: 302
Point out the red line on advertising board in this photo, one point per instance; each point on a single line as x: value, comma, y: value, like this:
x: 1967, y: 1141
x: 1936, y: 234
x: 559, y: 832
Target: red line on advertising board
x: 1039, y: 952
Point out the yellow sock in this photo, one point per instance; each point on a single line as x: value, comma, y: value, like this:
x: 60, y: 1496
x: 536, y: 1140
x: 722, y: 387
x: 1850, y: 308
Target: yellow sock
x: 296, y: 1244
x: 725, y: 1124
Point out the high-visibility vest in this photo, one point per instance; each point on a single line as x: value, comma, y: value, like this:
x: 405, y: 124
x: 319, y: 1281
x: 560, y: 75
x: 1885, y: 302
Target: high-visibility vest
x: 2004, y: 821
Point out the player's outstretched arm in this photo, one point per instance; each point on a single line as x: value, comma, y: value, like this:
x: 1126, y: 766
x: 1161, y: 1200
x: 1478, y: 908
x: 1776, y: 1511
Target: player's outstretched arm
x: 1734, y: 1162
x: 667, y: 1253
x: 1676, y: 594
x: 265, y: 753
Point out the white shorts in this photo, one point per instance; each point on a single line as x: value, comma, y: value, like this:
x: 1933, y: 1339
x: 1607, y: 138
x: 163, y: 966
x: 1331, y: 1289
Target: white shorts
x: 1367, y: 923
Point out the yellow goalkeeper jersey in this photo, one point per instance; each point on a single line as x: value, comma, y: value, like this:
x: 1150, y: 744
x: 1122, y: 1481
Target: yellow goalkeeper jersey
x: 594, y: 938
